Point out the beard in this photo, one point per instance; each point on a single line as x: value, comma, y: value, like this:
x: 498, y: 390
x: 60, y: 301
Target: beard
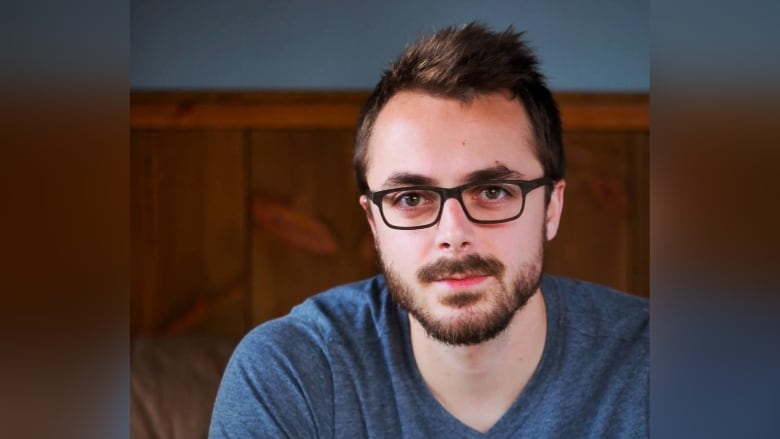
x: 473, y: 327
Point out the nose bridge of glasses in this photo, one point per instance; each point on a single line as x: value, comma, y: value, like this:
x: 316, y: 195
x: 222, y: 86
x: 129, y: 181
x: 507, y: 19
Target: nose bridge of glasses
x: 454, y: 193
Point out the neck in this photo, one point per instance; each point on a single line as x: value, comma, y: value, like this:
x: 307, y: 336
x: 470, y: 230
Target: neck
x: 477, y: 384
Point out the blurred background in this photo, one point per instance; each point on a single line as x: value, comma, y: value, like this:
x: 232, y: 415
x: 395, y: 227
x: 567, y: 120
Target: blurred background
x: 600, y: 45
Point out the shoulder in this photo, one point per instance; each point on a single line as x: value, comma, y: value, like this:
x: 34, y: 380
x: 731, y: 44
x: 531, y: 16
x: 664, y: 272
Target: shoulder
x: 279, y: 381
x: 351, y: 310
x: 346, y: 310
x: 598, y: 310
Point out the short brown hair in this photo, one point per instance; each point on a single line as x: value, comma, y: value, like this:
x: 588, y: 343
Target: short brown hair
x: 461, y: 63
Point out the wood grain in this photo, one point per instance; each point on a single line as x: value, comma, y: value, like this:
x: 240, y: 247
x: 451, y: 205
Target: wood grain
x: 309, y: 172
x: 189, y: 227
x: 603, y: 231
x: 340, y: 110
x: 293, y: 226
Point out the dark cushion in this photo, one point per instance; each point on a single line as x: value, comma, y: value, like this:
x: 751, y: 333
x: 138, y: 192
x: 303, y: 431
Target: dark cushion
x: 173, y: 383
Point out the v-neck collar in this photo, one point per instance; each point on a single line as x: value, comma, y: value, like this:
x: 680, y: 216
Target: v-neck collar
x: 534, y: 391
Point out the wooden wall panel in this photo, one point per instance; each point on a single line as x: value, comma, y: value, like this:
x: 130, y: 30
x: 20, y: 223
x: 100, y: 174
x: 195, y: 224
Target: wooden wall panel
x: 189, y: 232
x: 339, y: 110
x: 603, y: 231
x: 309, y: 232
x: 244, y: 204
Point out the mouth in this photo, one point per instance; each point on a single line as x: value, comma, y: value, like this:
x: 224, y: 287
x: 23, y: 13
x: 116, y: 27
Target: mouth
x: 462, y: 280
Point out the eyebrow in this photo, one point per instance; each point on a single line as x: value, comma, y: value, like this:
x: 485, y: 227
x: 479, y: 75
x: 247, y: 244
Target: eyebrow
x: 400, y: 179
x: 498, y: 172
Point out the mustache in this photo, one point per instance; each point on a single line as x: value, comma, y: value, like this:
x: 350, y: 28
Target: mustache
x: 470, y: 264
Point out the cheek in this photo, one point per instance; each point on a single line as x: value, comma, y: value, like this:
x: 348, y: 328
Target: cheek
x: 401, y: 250
x: 520, y: 244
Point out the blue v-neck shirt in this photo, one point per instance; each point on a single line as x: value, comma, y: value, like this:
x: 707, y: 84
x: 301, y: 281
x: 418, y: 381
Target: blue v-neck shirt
x: 340, y: 365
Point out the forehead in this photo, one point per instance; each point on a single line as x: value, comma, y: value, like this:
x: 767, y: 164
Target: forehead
x: 446, y: 139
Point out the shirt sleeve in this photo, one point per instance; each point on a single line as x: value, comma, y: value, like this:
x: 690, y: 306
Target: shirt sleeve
x: 277, y: 384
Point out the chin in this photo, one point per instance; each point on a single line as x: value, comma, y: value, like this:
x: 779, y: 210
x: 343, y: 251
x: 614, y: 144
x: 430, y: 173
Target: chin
x: 462, y: 315
x: 465, y: 325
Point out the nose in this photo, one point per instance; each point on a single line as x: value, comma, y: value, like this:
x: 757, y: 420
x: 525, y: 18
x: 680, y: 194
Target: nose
x: 454, y: 230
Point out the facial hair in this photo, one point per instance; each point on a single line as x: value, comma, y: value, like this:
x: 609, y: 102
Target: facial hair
x: 506, y: 299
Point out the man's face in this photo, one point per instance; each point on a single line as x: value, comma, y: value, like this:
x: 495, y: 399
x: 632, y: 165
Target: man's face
x: 462, y: 281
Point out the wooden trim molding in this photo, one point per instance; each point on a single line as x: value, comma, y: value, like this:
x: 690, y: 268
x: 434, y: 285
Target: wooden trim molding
x: 339, y: 110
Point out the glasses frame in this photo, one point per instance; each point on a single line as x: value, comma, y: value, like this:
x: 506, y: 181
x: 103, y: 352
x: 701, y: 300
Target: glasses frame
x: 445, y: 194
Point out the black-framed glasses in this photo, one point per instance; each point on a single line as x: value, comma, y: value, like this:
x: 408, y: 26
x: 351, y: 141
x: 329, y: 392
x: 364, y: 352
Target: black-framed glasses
x: 484, y: 202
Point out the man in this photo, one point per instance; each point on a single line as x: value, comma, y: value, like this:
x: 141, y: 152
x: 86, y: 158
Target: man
x: 459, y: 161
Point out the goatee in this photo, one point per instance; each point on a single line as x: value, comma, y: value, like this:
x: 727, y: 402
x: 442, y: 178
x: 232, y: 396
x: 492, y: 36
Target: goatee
x: 471, y: 328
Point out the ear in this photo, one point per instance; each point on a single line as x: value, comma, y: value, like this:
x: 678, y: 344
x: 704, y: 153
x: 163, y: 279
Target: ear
x: 366, y: 205
x: 554, y: 209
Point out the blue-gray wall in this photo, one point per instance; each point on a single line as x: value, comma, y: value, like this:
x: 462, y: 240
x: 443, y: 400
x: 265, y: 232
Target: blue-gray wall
x: 597, y: 45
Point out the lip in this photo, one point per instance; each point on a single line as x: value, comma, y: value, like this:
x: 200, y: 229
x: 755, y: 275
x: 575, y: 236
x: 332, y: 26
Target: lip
x: 463, y: 281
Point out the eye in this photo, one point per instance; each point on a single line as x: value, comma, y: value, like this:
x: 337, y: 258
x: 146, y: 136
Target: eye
x: 493, y: 192
x: 410, y: 199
